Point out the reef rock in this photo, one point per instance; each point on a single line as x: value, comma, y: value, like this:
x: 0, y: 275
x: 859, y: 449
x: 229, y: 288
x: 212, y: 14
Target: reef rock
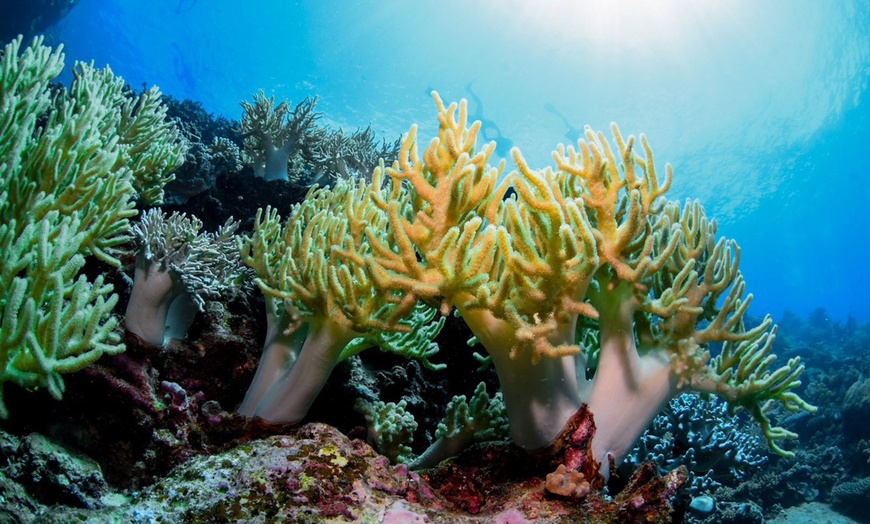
x: 856, y: 410
x: 314, y: 473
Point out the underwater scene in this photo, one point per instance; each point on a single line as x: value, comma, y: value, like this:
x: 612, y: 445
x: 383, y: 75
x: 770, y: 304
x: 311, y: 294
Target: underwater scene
x: 482, y: 261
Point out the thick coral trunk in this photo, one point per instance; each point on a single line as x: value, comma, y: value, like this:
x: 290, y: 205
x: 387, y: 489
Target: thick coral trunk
x: 280, y: 352
x: 153, y: 292
x: 289, y: 399
x: 277, y: 160
x: 629, y: 389
x: 539, y: 398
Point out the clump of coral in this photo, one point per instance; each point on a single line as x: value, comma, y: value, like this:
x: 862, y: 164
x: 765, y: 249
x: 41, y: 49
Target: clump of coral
x: 320, y: 311
x: 592, y: 239
x: 177, y: 269
x: 700, y: 435
x: 71, y: 166
x: 279, y: 141
x: 289, y: 145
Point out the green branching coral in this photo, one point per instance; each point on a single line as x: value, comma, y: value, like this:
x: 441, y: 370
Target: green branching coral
x: 390, y: 428
x: 415, y: 339
x: 149, y: 144
x: 322, y: 305
x: 70, y: 166
x: 481, y: 419
x: 50, y: 322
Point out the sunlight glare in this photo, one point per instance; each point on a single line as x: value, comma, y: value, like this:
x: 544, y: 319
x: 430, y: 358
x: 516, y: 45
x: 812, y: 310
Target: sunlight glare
x: 626, y: 25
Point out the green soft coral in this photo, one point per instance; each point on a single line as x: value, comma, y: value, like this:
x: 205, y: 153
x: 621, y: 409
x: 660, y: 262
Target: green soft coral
x: 50, y: 323
x: 465, y: 422
x: 320, y: 308
x: 390, y: 428
x: 71, y: 164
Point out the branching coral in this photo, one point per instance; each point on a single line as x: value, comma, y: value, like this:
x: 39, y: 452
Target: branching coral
x: 177, y: 270
x: 355, y: 155
x: 280, y: 144
x: 390, y: 428
x: 454, y: 246
x: 694, y: 299
x: 70, y: 166
x: 483, y: 418
x: 320, y: 309
x: 699, y: 434
x: 148, y: 143
x: 593, y: 237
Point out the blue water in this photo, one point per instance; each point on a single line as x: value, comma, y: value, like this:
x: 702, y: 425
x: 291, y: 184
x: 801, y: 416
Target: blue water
x: 761, y: 107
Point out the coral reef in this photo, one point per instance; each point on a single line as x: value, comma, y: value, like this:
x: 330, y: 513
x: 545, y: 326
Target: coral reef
x: 856, y: 410
x: 536, y: 263
x: 314, y: 474
x: 831, y: 455
x: 212, y: 152
x: 851, y: 496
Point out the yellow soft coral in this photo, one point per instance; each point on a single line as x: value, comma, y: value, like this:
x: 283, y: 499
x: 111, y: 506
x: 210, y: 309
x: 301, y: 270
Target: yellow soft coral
x: 450, y: 246
x: 440, y: 218
x: 592, y: 239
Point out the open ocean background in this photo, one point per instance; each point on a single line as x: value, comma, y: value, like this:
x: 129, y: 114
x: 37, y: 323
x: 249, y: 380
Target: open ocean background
x: 761, y: 107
